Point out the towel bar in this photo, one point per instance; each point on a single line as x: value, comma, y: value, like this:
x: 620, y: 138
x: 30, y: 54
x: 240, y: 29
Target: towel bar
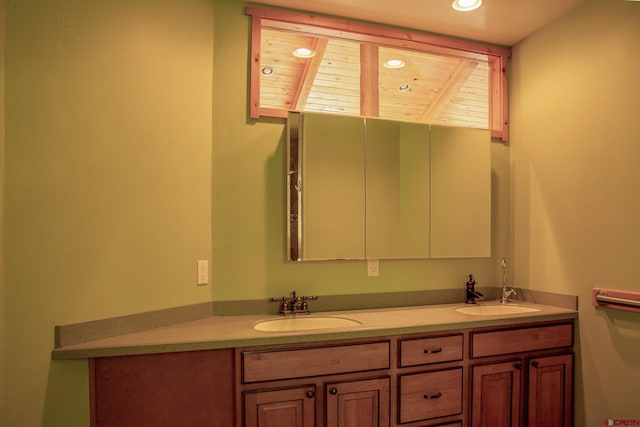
x: 619, y: 300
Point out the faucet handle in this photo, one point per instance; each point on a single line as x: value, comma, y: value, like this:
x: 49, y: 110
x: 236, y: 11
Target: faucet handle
x: 284, y: 308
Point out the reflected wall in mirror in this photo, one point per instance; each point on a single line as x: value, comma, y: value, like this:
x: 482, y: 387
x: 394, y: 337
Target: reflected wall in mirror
x: 397, y: 189
x: 379, y: 189
x: 460, y: 192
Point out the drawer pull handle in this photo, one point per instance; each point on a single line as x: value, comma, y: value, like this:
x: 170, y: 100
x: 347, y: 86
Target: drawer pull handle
x: 535, y: 364
x: 518, y: 365
x: 433, y: 396
x: 434, y: 351
x: 333, y: 390
x: 310, y: 394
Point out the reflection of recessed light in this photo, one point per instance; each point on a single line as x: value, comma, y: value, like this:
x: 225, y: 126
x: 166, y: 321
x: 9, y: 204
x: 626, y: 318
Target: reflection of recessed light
x: 466, y: 5
x: 303, y: 52
x: 266, y: 71
x: 404, y: 87
x: 394, y: 63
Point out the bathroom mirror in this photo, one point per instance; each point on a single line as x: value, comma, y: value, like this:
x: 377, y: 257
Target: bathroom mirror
x: 364, y: 188
x: 397, y: 189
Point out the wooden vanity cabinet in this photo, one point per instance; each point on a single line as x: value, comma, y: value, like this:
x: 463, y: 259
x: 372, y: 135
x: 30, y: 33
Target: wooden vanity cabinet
x: 347, y: 385
x: 505, y: 376
x: 522, y: 376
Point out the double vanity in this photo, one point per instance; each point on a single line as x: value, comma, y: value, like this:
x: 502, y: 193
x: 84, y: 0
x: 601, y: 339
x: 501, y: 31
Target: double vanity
x: 488, y: 364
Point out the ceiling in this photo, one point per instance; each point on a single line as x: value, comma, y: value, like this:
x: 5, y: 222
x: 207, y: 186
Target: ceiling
x: 502, y: 22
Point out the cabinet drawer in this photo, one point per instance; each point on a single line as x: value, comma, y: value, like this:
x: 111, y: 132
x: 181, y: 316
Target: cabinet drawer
x: 308, y: 362
x: 424, y: 351
x: 519, y: 340
x: 430, y: 395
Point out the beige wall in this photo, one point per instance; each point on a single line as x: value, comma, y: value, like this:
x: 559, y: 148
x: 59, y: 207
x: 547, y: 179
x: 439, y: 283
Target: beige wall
x: 575, y: 147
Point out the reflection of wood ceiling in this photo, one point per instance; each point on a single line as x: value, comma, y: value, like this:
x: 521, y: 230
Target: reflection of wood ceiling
x: 443, y: 90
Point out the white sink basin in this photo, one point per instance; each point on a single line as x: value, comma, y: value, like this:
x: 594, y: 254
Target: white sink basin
x: 305, y: 323
x: 494, y: 310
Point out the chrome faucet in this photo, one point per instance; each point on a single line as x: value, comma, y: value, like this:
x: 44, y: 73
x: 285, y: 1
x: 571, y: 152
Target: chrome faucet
x: 294, y: 305
x: 506, y: 293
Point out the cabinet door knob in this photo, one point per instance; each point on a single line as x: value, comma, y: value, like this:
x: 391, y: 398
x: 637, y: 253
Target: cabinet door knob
x: 535, y: 364
x: 310, y: 394
x: 433, y: 396
x: 435, y: 350
x: 518, y: 365
x: 333, y: 390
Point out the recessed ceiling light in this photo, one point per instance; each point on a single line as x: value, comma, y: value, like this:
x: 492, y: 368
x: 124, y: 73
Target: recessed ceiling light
x: 466, y: 5
x: 394, y: 63
x: 404, y: 87
x: 303, y: 52
x: 266, y: 71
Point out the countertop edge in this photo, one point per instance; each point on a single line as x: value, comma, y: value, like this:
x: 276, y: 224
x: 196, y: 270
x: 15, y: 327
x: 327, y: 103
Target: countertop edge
x: 300, y: 337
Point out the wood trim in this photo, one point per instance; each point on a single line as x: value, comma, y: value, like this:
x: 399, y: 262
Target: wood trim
x: 256, y: 40
x: 371, y: 34
x: 344, y: 26
x: 309, y: 74
x: 369, y: 90
x: 498, y: 98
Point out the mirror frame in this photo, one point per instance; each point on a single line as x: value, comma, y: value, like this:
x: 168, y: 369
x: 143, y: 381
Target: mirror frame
x: 497, y: 57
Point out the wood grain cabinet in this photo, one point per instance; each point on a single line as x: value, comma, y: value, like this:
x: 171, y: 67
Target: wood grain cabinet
x: 352, y: 379
x: 185, y: 389
x: 522, y: 377
x: 506, y: 376
x: 291, y: 407
x: 435, y: 390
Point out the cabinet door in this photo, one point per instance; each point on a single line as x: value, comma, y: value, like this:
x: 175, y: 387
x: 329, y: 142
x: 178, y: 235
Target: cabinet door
x: 293, y: 407
x: 495, y: 400
x: 550, y: 391
x: 358, y: 403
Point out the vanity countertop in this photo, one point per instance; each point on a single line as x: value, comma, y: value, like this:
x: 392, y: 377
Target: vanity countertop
x: 238, y: 331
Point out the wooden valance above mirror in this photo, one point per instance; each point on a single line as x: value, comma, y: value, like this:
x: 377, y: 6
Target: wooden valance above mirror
x: 367, y: 70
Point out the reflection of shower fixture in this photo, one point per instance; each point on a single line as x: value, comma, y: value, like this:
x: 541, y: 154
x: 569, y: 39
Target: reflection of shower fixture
x: 506, y: 293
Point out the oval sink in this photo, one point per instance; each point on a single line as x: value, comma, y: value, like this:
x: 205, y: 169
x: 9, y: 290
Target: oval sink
x: 494, y: 310
x: 304, y: 323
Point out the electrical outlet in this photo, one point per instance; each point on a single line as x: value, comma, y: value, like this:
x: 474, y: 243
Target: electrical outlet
x: 373, y: 268
x: 203, y: 272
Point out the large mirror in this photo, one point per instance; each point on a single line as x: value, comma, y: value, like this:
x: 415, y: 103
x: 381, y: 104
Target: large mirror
x: 363, y: 188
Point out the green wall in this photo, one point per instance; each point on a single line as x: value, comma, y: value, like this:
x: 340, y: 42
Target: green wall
x: 129, y: 156
x: 249, y: 208
x: 575, y: 148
